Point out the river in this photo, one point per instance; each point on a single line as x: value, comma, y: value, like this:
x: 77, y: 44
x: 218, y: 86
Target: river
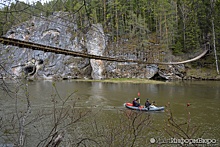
x: 108, y: 98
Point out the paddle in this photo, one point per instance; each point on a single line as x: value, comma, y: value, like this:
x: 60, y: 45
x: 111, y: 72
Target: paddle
x: 139, y: 98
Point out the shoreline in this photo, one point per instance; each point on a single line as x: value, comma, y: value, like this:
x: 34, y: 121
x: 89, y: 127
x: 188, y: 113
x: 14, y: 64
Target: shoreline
x: 116, y: 80
x: 125, y: 80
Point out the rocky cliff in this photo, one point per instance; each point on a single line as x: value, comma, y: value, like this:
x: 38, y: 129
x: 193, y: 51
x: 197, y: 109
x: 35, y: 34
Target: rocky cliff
x: 54, y: 31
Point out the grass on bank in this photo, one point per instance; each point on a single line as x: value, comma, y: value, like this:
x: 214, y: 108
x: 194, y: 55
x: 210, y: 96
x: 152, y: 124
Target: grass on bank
x: 126, y: 80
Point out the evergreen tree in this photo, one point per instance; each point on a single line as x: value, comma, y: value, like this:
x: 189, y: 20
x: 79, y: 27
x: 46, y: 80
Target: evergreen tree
x: 181, y: 25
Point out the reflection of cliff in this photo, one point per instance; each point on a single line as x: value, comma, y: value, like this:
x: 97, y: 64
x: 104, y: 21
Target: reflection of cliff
x: 96, y: 98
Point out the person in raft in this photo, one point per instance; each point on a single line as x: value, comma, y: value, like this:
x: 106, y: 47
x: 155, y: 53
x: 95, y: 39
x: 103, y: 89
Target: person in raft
x: 147, y: 103
x: 135, y: 102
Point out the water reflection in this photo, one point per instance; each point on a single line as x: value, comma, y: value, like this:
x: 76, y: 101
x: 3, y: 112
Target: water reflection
x: 108, y: 98
x: 96, y: 97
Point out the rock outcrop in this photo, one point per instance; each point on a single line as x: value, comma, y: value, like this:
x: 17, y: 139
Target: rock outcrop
x: 51, y: 31
x: 96, y: 44
x: 54, y: 31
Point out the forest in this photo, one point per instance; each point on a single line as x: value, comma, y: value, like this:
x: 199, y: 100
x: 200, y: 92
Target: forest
x: 181, y: 26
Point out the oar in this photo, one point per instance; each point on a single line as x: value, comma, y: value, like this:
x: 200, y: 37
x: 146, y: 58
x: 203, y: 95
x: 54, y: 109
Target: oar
x: 139, y: 98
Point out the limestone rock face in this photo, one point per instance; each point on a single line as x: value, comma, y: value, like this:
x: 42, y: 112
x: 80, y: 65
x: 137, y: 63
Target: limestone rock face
x: 51, y: 31
x: 54, y: 31
x: 96, y: 44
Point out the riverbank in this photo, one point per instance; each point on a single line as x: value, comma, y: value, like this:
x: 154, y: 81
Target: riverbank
x: 125, y: 80
x: 202, y: 74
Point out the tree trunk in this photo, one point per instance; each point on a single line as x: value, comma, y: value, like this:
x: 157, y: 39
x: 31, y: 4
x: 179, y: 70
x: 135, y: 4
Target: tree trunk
x: 216, y: 58
x: 166, y: 31
x: 104, y: 13
x: 183, y: 11
x: 213, y: 33
x: 116, y: 22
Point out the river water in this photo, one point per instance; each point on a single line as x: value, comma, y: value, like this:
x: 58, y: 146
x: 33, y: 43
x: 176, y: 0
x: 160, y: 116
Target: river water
x: 108, y: 99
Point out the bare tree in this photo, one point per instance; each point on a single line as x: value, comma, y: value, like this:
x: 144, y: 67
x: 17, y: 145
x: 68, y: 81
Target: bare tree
x: 213, y: 33
x: 182, y: 129
x: 128, y: 129
x: 22, y: 126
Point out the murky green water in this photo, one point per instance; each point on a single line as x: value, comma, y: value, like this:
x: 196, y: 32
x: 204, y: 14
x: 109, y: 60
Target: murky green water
x: 108, y: 98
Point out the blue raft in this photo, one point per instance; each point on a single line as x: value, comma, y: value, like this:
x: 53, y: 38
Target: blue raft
x: 143, y: 108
